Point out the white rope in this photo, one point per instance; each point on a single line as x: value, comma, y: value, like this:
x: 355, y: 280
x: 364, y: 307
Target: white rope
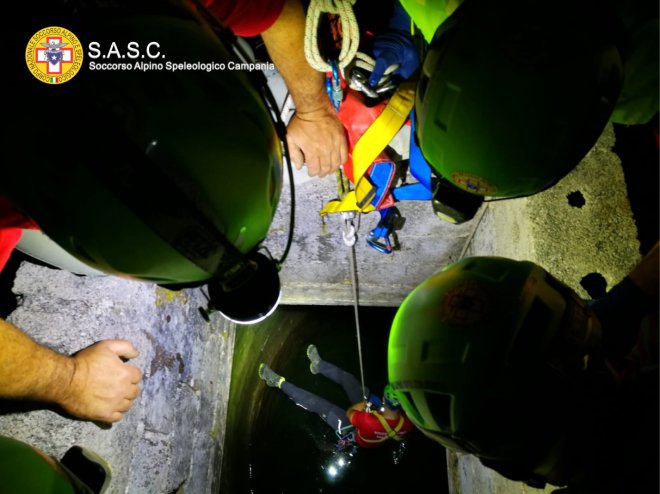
x: 350, y: 32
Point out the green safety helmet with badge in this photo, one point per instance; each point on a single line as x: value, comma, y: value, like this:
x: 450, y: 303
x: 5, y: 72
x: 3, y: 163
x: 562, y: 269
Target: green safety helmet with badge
x: 167, y: 176
x: 511, y: 95
x: 483, y: 356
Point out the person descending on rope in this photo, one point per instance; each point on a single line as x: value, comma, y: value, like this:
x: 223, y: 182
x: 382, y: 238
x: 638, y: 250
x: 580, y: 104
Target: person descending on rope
x: 371, y: 428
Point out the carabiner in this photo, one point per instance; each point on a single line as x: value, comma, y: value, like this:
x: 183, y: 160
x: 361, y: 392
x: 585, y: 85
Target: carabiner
x: 384, y: 246
x: 337, y: 93
x: 379, y: 237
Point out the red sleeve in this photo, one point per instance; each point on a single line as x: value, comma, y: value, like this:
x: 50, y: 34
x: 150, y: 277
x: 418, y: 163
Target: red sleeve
x: 355, y: 418
x: 365, y: 423
x: 10, y: 217
x: 9, y: 237
x: 246, y: 18
x: 12, y: 223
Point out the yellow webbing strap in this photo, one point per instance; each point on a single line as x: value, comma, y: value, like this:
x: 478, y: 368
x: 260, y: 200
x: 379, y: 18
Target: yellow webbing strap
x: 369, y: 146
x: 391, y: 433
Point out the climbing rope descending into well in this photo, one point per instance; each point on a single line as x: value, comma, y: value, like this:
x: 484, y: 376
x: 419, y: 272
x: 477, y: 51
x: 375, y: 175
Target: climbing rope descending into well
x: 350, y: 36
x: 349, y: 235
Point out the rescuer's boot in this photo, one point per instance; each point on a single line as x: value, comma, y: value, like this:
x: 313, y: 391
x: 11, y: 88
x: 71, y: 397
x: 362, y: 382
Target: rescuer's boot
x: 314, y: 359
x: 271, y: 378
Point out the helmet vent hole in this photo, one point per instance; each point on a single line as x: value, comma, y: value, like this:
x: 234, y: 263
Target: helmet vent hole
x: 576, y: 199
x: 411, y: 408
x: 595, y: 285
x: 440, y: 407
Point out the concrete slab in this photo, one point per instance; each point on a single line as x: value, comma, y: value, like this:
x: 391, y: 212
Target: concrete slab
x: 597, y: 236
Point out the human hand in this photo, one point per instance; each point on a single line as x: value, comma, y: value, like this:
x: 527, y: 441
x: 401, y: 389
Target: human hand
x: 318, y: 139
x: 360, y: 406
x: 394, y: 48
x: 102, y: 387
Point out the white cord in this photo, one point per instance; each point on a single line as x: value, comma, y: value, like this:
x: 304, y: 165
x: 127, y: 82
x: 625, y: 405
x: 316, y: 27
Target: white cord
x: 349, y: 233
x: 350, y: 32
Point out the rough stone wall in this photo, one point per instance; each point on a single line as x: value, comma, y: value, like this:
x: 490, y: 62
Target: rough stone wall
x: 598, y: 235
x: 170, y: 441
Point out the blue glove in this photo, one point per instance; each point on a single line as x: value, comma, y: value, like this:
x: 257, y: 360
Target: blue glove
x: 399, y: 20
x: 395, y: 46
x: 390, y: 48
x: 375, y: 400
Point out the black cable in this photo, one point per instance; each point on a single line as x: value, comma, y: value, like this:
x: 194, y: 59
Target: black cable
x: 261, y: 84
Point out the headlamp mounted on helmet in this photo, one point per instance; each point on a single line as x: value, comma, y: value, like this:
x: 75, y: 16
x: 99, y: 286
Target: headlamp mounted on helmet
x: 390, y: 398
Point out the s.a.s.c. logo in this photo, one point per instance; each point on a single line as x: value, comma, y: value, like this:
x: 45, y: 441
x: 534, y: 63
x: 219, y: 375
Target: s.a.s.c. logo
x: 54, y: 55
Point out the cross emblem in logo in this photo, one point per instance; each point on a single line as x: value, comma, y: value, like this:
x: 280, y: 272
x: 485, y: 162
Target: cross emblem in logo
x: 53, y: 54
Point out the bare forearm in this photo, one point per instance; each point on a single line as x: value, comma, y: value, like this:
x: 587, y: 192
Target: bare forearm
x: 285, y: 43
x: 94, y: 384
x: 315, y: 135
x: 29, y: 370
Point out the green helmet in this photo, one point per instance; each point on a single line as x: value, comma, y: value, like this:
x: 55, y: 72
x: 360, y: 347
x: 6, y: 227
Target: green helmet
x: 27, y: 469
x: 427, y: 16
x: 390, y: 398
x: 481, y: 355
x: 510, y: 98
x: 167, y: 176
